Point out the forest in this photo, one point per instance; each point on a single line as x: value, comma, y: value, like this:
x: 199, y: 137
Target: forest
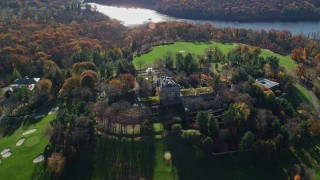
x: 231, y: 10
x: 91, y: 87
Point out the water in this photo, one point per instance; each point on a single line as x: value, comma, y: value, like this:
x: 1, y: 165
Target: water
x: 138, y: 16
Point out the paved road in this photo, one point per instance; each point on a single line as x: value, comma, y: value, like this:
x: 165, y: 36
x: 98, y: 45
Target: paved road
x: 314, y: 100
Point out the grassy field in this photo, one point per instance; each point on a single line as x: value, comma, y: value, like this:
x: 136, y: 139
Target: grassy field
x: 191, y: 163
x: 299, y: 95
x: 19, y: 165
x: 198, y: 48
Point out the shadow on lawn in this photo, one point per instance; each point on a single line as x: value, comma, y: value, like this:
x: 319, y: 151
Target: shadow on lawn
x: 11, y: 124
x: 111, y: 158
x: 192, y: 164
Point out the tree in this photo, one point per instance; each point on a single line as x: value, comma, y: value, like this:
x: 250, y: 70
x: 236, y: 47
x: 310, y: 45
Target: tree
x: 56, y: 163
x: 301, y: 70
x: 176, y: 129
x: 315, y: 128
x: 305, y: 54
x: 190, y: 64
x: 246, y: 141
x: 207, y: 144
x: 145, y: 86
x: 128, y: 81
x: 242, y: 112
x: 191, y: 136
x: 265, y: 149
x: 179, y: 62
x: 274, y: 63
x: 78, y: 68
x: 140, y: 63
x: 213, y: 126
x: 89, y: 79
x: 44, y: 86
x: 202, y: 120
x: 69, y: 85
x: 168, y: 60
x: 15, y: 74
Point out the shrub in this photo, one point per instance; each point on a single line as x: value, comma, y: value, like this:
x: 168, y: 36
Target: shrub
x: 176, y: 129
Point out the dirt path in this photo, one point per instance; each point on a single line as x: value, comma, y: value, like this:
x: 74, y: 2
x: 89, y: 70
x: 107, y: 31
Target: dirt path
x: 314, y: 100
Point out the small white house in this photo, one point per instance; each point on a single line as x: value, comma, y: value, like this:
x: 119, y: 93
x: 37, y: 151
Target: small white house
x: 25, y: 82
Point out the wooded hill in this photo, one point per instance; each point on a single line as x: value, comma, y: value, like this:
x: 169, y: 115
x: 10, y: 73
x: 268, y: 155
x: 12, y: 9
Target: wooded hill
x: 231, y: 10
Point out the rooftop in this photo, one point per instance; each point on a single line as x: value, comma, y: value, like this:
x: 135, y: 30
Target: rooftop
x: 167, y: 82
x: 267, y: 83
x: 26, y: 81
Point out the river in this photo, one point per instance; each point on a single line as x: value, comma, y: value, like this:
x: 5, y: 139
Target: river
x: 138, y: 16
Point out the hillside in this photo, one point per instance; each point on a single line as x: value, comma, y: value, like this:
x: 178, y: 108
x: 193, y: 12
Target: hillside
x: 231, y: 10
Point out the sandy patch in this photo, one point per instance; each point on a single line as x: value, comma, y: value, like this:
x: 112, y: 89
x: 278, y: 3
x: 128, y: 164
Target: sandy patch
x: 38, y: 159
x: 20, y: 142
x: 53, y: 110
x: 7, y: 154
x: 38, y: 117
x: 5, y: 151
x: 29, y: 131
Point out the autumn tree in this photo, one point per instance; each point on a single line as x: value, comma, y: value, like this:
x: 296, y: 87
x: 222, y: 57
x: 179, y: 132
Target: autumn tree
x: 69, y: 85
x: 89, y: 79
x: 56, y: 163
x: 78, y: 68
x: 128, y: 81
x: 44, y: 86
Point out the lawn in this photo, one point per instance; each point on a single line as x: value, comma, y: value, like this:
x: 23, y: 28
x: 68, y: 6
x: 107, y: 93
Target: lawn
x: 299, y: 95
x: 19, y: 165
x: 191, y: 163
x: 198, y: 48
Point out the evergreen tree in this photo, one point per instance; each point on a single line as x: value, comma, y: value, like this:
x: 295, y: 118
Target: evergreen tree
x: 202, y: 120
x: 213, y: 126
x: 15, y: 74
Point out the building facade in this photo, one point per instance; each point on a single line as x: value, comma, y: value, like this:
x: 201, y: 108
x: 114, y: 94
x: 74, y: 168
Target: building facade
x: 169, y: 91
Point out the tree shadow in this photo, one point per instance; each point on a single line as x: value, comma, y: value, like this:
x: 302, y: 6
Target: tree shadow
x: 192, y: 164
x: 82, y: 166
x: 124, y: 159
x: 113, y: 158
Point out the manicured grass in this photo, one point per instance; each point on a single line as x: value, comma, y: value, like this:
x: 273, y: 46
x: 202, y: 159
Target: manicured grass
x: 19, y: 165
x: 199, y: 48
x: 193, y: 164
x: 122, y: 158
x: 299, y: 95
x: 285, y: 61
x: 163, y: 169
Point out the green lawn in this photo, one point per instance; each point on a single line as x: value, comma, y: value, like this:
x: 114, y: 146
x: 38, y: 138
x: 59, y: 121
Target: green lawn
x: 285, y: 61
x: 19, y: 165
x: 299, y: 95
x: 198, y: 48
x: 193, y: 164
x: 163, y: 169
